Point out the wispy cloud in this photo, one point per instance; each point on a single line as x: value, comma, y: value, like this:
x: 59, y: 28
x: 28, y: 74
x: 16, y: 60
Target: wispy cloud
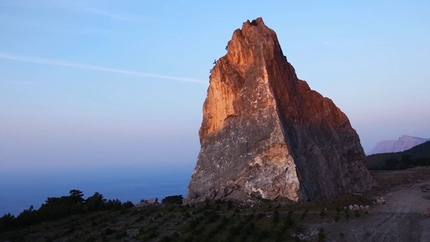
x: 116, y: 16
x: 54, y: 62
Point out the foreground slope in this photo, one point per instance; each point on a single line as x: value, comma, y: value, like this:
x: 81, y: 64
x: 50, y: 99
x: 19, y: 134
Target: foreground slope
x: 266, y: 134
x: 404, y: 217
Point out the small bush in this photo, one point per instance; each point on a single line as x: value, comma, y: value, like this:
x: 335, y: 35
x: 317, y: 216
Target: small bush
x: 120, y: 235
x: 336, y: 218
x: 356, y: 214
x: 275, y: 218
x: 152, y: 233
x: 260, y: 215
x: 321, y: 235
x: 229, y: 205
x: 192, y: 224
x: 175, y: 199
x: 303, y: 216
x: 165, y: 239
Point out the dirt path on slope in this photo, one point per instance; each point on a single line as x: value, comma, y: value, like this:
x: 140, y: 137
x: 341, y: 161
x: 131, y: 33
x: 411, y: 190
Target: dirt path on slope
x: 400, y: 219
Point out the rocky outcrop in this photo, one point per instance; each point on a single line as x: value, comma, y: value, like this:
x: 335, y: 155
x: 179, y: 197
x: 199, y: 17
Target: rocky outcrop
x: 266, y: 134
x: 403, y: 143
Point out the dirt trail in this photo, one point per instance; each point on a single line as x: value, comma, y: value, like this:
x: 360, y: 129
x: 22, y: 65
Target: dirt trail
x: 409, y: 199
x: 400, y: 219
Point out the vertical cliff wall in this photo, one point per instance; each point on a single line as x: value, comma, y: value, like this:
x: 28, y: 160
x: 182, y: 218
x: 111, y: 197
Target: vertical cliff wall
x: 266, y: 134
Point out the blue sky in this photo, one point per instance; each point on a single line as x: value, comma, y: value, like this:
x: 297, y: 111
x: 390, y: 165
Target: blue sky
x: 122, y: 83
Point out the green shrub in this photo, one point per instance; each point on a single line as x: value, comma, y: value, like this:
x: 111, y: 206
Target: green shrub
x: 336, y: 218
x: 346, y: 214
x: 165, y: 239
x: 303, y: 215
x: 229, y: 205
x: 175, y: 199
x: 275, y: 218
x: 260, y: 215
x: 356, y: 214
x: 321, y: 235
x: 192, y: 224
x: 322, y: 214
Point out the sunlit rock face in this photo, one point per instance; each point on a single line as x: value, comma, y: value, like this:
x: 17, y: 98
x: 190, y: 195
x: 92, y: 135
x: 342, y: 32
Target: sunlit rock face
x: 266, y: 134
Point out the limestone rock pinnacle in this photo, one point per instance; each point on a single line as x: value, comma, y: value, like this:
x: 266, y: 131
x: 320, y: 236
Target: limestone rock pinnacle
x: 266, y: 134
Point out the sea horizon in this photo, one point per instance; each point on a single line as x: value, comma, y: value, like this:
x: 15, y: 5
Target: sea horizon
x: 134, y: 183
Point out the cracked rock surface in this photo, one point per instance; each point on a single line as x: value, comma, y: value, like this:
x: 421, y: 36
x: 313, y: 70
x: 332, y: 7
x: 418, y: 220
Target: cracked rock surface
x: 266, y: 134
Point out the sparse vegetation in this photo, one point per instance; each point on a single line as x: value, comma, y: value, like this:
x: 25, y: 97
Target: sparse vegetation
x: 405, y: 162
x: 97, y: 219
x: 175, y: 199
x: 321, y: 235
x: 74, y: 218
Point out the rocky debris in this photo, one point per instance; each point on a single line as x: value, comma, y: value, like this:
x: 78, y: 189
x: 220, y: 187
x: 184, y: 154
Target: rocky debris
x: 356, y: 207
x: 151, y: 201
x: 425, y: 188
x: 306, y: 236
x: 266, y: 134
x: 380, y: 200
x: 426, y: 213
x: 141, y: 204
x: 132, y: 232
x: 185, y: 201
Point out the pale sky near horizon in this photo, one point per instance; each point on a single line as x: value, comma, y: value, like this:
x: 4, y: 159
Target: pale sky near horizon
x: 122, y: 83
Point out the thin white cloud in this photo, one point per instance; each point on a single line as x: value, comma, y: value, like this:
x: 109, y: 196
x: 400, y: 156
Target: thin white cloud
x: 116, y: 16
x: 54, y: 62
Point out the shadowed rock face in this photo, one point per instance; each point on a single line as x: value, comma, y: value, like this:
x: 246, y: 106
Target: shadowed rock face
x: 265, y: 133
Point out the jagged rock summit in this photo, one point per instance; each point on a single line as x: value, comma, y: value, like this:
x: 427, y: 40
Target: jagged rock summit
x: 403, y: 143
x: 266, y: 134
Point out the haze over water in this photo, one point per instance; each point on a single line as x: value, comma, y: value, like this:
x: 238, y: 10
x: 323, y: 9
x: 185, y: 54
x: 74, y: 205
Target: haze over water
x: 126, y: 184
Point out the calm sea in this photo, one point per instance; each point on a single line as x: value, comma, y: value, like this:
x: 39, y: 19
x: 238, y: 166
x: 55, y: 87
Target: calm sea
x: 18, y: 191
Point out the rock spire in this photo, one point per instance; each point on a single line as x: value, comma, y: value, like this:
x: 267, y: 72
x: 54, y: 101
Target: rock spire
x: 266, y: 134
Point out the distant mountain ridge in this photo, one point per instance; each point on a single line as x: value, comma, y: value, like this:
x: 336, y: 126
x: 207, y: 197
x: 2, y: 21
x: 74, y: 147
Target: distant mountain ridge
x: 419, y: 151
x: 403, y: 143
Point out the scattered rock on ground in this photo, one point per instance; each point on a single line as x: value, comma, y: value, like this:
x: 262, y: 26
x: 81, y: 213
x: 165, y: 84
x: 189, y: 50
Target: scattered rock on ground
x: 306, y: 236
x: 153, y: 200
x: 426, y: 213
x: 132, y: 232
x: 380, y: 200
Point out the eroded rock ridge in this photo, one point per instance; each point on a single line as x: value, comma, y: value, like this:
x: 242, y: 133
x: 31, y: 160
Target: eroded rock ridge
x: 405, y: 142
x: 266, y: 134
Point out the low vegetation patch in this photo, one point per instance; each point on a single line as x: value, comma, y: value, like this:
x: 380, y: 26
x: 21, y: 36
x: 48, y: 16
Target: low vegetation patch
x: 73, y: 218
